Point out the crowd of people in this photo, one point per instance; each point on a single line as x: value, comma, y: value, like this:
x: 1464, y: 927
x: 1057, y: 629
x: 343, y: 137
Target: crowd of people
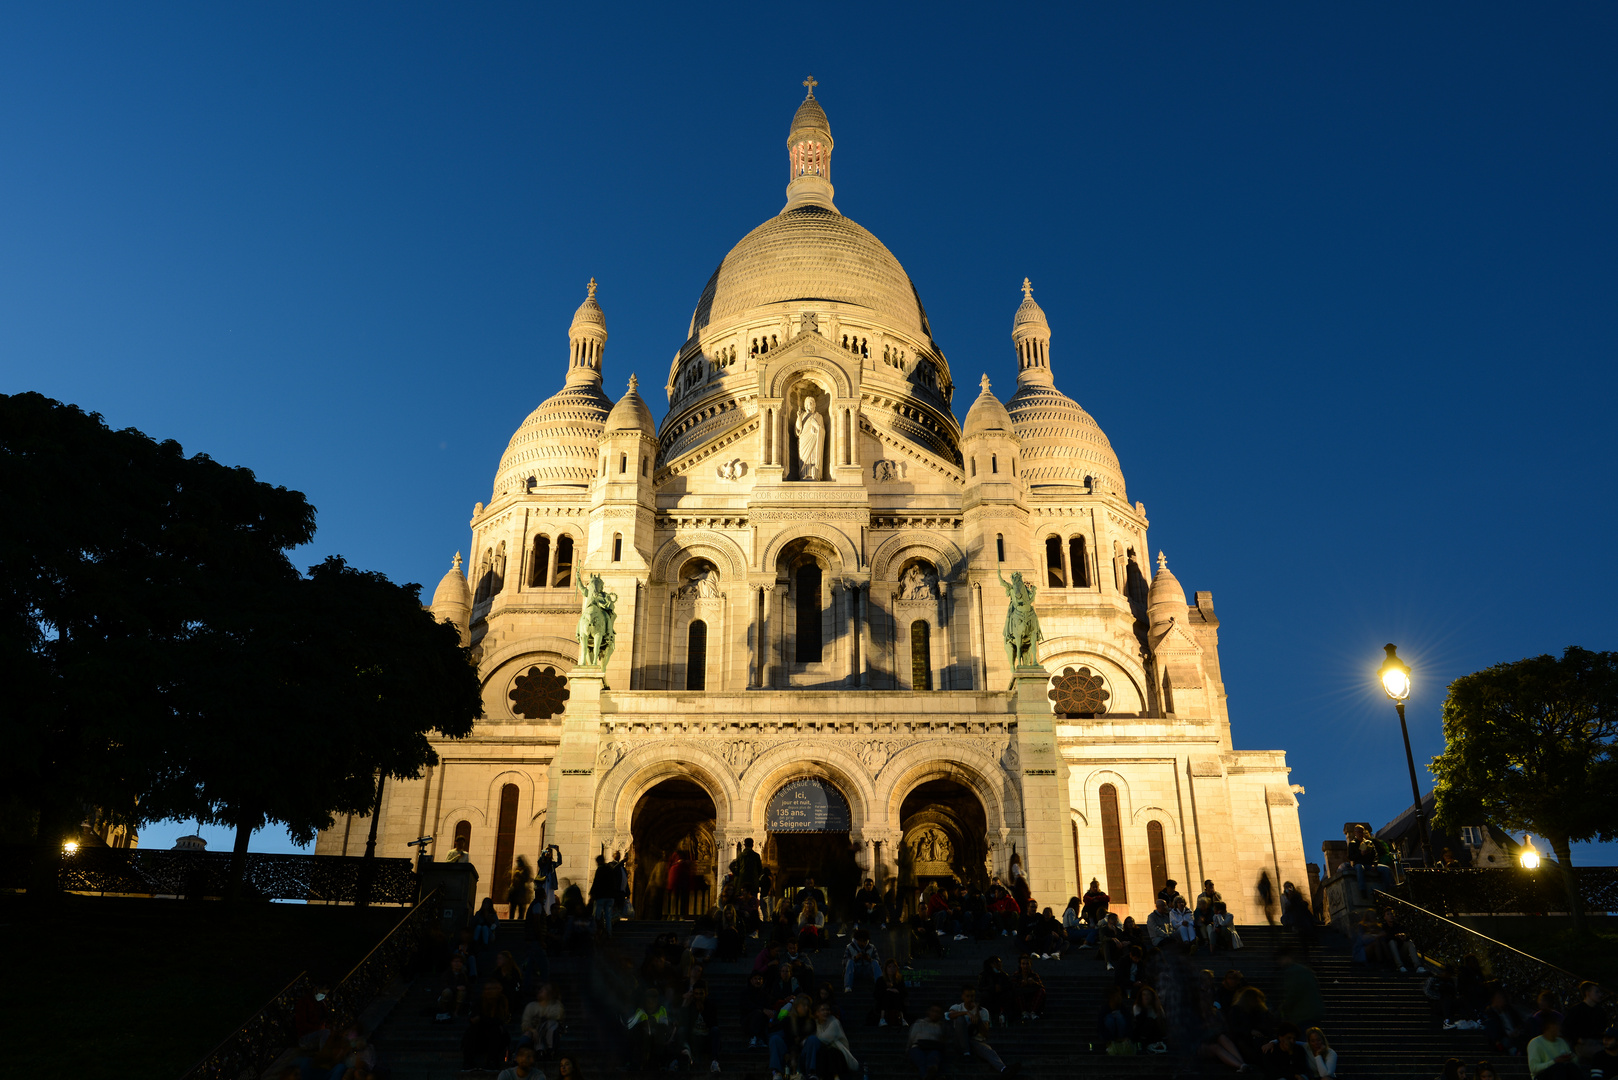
x: 822, y: 962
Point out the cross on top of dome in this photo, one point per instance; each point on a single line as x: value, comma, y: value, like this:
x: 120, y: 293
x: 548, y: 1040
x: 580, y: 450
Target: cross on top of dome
x: 1162, y: 561
x: 592, y: 288
x: 984, y: 383
x: 811, y: 84
x: 1027, y: 289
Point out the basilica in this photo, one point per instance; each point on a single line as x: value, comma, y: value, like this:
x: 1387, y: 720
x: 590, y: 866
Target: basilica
x: 811, y: 608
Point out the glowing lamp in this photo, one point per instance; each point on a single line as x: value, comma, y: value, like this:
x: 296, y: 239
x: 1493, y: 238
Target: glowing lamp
x: 1395, y: 675
x: 1529, y: 856
x: 71, y: 847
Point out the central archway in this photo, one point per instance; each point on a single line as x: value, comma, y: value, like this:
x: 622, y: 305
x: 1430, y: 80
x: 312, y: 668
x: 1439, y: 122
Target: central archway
x: 944, y: 829
x: 672, y: 823
x: 807, y: 823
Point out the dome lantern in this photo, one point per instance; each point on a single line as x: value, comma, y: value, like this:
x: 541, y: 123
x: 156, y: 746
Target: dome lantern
x: 587, y: 340
x: 1031, y: 335
x: 809, y: 146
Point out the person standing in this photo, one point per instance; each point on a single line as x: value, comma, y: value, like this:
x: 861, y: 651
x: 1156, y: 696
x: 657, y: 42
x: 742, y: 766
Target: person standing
x: 678, y: 882
x: 1266, y: 895
x: 1584, y: 1022
x: 749, y: 868
x: 545, y: 876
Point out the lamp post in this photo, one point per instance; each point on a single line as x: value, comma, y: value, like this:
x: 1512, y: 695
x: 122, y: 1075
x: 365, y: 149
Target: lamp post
x: 1395, y: 675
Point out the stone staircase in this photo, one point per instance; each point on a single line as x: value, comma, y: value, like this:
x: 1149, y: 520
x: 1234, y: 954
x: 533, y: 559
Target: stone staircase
x: 1379, y: 1022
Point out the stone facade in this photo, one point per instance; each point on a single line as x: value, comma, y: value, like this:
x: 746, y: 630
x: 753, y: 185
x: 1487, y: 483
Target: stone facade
x: 807, y: 558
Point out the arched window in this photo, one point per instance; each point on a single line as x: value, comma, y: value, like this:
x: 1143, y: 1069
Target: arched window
x: 1158, y: 857
x: 505, y: 844
x: 999, y: 547
x: 623, y: 464
x: 617, y: 547
x: 807, y: 588
x: 696, y: 657
x: 539, y: 561
x: 1053, y: 562
x: 1078, y: 562
x: 564, y: 561
x: 921, y: 659
x: 1112, y: 845
x: 463, y: 837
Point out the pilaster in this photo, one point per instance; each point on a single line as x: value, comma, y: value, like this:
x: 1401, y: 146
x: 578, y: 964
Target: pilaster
x: 1047, y: 855
x: 571, y: 812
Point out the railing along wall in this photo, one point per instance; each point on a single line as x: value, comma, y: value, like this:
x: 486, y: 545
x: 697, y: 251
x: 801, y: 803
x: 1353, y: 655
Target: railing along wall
x: 329, y: 879
x: 1523, y: 976
x: 1502, y: 890
x: 269, y: 1032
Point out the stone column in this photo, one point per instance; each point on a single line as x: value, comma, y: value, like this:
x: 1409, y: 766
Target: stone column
x: 1216, y: 835
x: 571, y: 816
x: 1047, y: 855
x: 865, y: 636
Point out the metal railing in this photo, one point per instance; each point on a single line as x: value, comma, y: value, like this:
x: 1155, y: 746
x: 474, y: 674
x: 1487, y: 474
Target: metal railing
x: 264, y: 1036
x: 1523, y: 976
x: 1500, y: 890
x: 329, y: 879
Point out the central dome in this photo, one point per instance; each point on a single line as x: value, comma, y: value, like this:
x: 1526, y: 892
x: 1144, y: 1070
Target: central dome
x: 807, y: 254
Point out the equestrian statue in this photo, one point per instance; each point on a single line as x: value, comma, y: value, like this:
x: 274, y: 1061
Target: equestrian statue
x: 1022, y: 631
x: 596, y: 634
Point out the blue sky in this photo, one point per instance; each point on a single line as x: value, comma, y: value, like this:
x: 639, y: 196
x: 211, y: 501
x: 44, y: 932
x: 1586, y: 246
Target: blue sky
x: 1338, y: 282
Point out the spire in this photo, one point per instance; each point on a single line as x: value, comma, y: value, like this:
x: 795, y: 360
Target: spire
x: 983, y: 383
x: 455, y: 563
x: 809, y: 146
x: 587, y: 339
x: 1031, y: 335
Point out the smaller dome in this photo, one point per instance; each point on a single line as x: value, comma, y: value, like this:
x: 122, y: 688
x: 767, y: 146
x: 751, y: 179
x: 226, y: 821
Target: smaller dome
x: 1028, y: 312
x: 631, y: 414
x: 589, y: 313
x: 809, y: 114
x: 987, y: 415
x: 453, y: 597
x: 1166, y: 600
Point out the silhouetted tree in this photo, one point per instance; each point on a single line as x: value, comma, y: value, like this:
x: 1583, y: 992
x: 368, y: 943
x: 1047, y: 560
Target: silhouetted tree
x: 116, y: 551
x: 1530, y: 746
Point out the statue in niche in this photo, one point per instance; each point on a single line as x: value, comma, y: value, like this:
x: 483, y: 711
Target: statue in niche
x: 596, y: 635
x: 918, y: 583
x: 701, y: 584
x: 811, y: 429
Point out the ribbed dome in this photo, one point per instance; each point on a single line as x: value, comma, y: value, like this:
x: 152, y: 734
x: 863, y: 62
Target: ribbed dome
x: 811, y: 253
x: 558, y: 442
x: 809, y: 115
x: 987, y: 414
x: 1061, y: 443
x: 453, y: 595
x: 589, y: 313
x: 1029, y: 313
x: 1166, y: 599
x: 631, y: 413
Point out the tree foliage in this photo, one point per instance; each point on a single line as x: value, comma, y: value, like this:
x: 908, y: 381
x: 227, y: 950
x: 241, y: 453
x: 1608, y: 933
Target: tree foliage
x: 161, y: 655
x: 1530, y: 746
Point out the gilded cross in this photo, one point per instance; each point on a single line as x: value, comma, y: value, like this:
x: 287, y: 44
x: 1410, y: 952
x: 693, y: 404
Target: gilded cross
x: 811, y: 84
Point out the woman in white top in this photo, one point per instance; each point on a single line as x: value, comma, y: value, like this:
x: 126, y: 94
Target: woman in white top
x: 1182, y: 921
x: 811, y: 926
x: 1322, y: 1058
x: 543, y: 1018
x: 826, y: 1053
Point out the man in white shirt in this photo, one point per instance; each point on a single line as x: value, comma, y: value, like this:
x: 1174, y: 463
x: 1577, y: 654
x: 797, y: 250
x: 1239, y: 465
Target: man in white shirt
x: 970, y: 1026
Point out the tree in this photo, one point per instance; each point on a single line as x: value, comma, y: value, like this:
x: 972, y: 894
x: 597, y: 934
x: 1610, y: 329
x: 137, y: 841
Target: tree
x: 117, y: 553
x: 1530, y: 746
x: 307, y: 694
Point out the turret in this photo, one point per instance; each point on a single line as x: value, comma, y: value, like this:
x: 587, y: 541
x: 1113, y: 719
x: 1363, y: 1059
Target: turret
x: 452, y: 600
x: 628, y: 452
x: 809, y: 146
x: 1031, y: 335
x: 587, y: 340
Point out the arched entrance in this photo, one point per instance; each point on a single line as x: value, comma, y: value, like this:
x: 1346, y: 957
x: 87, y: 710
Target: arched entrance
x: 675, y: 816
x: 807, y: 823
x: 945, y: 832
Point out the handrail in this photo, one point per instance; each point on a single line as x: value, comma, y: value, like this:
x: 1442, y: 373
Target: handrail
x: 1519, y: 970
x: 267, y: 1032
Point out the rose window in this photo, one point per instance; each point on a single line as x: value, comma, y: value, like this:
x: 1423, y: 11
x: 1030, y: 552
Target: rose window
x: 1079, y: 693
x: 539, y: 694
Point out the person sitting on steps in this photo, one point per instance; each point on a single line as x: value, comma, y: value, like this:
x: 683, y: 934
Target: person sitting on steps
x: 970, y: 1026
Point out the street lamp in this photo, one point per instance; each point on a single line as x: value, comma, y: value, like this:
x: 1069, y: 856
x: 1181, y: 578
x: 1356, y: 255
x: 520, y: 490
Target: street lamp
x: 1395, y: 675
x: 1530, y: 855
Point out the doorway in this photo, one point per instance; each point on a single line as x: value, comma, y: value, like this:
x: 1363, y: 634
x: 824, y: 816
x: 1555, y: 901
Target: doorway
x: 672, y: 827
